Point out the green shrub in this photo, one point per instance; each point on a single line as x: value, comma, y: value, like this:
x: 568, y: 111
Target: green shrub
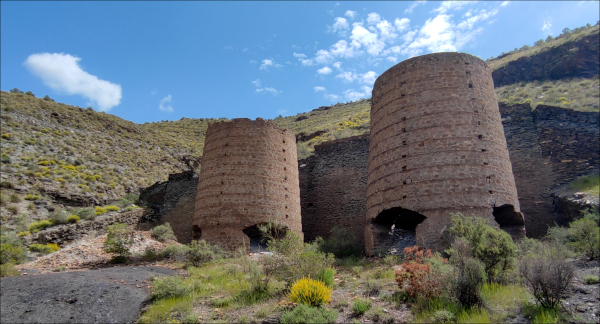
x: 310, y: 292
x: 293, y: 260
x: 44, y: 248
x: 23, y: 234
x: 73, y: 219
x: 490, y: 245
x: 5, y: 158
x: 32, y: 197
x: 169, y: 286
x: 360, y: 306
x: 39, y: 225
x: 8, y: 270
x: 127, y: 200
x: 111, y: 208
x: 163, y: 232
x: 11, y: 254
x: 327, y: 276
x: 342, y: 243
x: 15, y: 198
x: 307, y: 314
x: 469, y: 275
x: 86, y: 213
x: 174, y: 250
x: 591, y: 279
x: 59, y: 217
x: 201, y: 252
x: 585, y: 238
x: 118, y: 240
x: 443, y: 316
x: 372, y: 287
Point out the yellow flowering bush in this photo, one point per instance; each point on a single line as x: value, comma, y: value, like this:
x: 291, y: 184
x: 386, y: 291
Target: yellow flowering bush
x: 310, y: 292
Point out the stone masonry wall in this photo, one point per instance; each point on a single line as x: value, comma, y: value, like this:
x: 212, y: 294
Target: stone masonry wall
x: 249, y: 176
x: 549, y: 147
x: 171, y: 201
x: 333, y: 188
x: 437, y: 146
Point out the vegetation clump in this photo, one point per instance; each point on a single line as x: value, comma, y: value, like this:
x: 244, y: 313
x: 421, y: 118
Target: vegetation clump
x: 119, y: 239
x: 163, y: 233
x: 310, y: 292
x: 307, y: 314
x: 44, y: 248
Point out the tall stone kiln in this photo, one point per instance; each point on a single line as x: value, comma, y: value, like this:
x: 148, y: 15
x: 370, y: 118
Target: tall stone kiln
x: 437, y: 147
x: 249, y: 176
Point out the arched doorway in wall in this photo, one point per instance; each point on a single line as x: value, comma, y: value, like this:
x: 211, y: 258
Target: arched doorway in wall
x: 196, y: 232
x: 260, y: 234
x: 510, y: 220
x: 394, y: 229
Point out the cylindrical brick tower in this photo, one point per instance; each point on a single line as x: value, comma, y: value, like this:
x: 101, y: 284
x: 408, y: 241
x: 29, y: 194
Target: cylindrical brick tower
x: 437, y: 147
x: 249, y: 176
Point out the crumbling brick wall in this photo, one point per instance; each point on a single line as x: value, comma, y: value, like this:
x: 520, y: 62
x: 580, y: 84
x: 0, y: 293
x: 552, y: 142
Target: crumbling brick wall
x: 249, y: 176
x: 333, y: 188
x: 437, y: 147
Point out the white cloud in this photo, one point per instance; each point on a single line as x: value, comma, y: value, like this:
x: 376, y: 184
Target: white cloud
x: 350, y: 14
x: 413, y: 6
x: 323, y: 57
x: 337, y: 65
x: 452, y: 5
x: 165, y: 105
x: 270, y: 90
x: 353, y: 95
x: 282, y: 111
x: 505, y: 3
x: 441, y: 34
x: 319, y: 88
x: 324, y: 71
x: 256, y: 83
x: 299, y: 55
x: 369, y: 77
x: 546, y: 27
x: 307, y: 62
x: 361, y: 36
x: 62, y: 73
x: 373, y: 18
x: 331, y: 97
x: 252, y: 61
x: 341, y: 49
x: 266, y: 64
x: 347, y: 76
x: 340, y: 24
x: 401, y: 24
x: 392, y: 59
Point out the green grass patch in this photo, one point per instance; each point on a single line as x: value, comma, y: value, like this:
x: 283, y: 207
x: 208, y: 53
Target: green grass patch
x: 589, y: 184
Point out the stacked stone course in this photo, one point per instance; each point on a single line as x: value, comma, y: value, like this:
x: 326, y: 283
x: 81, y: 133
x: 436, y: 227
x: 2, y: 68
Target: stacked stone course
x: 437, y: 147
x: 249, y: 176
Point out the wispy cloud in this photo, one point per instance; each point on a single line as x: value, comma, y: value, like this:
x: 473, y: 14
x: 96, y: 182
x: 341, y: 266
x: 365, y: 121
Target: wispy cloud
x: 319, y: 88
x: 505, y: 3
x: 546, y: 27
x: 350, y: 14
x: 331, y: 97
x: 61, y: 72
x: 267, y: 63
x: 353, y: 95
x: 256, y: 83
x: 413, y: 6
x: 270, y: 90
x: 165, y: 104
x: 229, y: 48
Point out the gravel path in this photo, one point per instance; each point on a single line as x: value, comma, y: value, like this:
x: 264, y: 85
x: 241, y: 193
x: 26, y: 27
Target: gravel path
x: 110, y: 295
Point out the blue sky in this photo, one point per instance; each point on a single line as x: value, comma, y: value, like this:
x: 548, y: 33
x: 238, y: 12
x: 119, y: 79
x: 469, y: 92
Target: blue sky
x: 152, y: 61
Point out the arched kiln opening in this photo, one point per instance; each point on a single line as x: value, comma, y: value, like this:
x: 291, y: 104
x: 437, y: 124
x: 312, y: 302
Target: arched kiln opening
x: 196, y: 232
x: 509, y: 220
x: 394, y: 229
x: 260, y: 234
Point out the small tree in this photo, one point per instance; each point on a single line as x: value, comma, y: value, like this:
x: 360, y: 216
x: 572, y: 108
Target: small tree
x: 163, y: 232
x: 118, y: 241
x: 490, y: 245
x: 585, y: 238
